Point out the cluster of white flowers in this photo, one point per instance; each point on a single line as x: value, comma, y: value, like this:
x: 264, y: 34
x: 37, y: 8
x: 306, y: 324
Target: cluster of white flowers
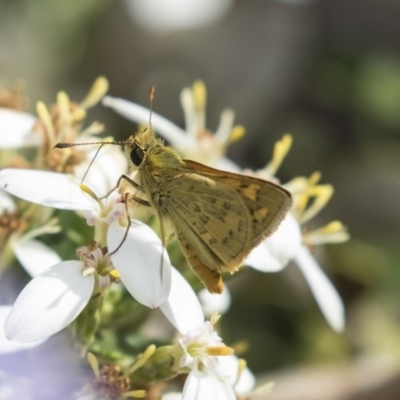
x: 60, y: 290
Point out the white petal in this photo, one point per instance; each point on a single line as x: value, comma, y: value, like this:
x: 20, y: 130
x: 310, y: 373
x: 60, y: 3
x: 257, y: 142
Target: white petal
x: 142, y: 262
x: 262, y: 260
x: 172, y: 396
x: 212, y: 302
x: 225, y: 164
x: 206, y: 387
x: 49, y: 303
x: 35, y: 256
x: 16, y: 129
x: 164, y: 16
x: 246, y: 382
x: 165, y: 128
x: 6, y: 202
x: 275, y: 252
x: 182, y: 307
x: 105, y: 170
x: 5, y: 345
x: 228, y: 367
x: 324, y: 292
x: 46, y: 188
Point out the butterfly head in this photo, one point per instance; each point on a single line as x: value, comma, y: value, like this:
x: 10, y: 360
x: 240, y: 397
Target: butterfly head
x: 138, y: 147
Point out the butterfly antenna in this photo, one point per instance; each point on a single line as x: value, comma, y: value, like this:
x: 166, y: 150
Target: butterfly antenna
x: 151, y: 99
x: 67, y: 145
x: 91, y: 162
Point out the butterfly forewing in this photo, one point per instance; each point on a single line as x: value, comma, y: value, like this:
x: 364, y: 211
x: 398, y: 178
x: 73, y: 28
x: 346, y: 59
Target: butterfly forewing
x: 219, y: 217
x: 266, y: 202
x: 214, y: 214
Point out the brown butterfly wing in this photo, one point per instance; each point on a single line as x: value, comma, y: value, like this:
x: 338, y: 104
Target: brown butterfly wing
x: 266, y: 202
x: 218, y: 218
x: 211, y: 224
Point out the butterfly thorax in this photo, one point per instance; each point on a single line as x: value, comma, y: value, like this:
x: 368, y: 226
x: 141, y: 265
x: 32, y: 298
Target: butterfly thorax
x: 156, y: 164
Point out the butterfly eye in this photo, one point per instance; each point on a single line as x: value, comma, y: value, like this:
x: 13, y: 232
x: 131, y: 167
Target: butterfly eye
x: 137, y: 155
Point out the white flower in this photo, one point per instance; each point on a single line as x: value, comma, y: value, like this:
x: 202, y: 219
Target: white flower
x: 35, y: 256
x: 202, y: 350
x: 49, y: 302
x: 6, y: 203
x: 172, y: 396
x: 49, y: 189
x: 196, y: 142
x: 213, y: 372
x: 105, y: 171
x: 182, y: 307
x: 5, y: 345
x: 286, y: 245
x: 167, y: 16
x: 235, y: 373
x: 140, y: 262
x: 289, y: 244
x: 214, y: 302
x: 53, y: 299
x: 202, y: 386
x: 238, y: 374
x: 63, y: 122
x: 17, y: 239
x: 278, y: 250
x: 17, y: 129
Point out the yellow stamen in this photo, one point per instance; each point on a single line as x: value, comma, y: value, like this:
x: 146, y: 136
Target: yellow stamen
x: 96, y: 92
x: 332, y: 227
x: 200, y: 94
x: 334, y: 232
x: 214, y: 318
x: 50, y: 227
x: 314, y: 178
x: 137, y: 394
x: 297, y: 185
x: 200, y: 99
x: 281, y: 149
x: 44, y: 115
x: 187, y: 104
x: 107, y: 138
x: 142, y: 359
x: 300, y: 184
x: 115, y: 274
x: 88, y: 271
x: 220, y: 351
x: 78, y: 114
x: 64, y: 106
x: 242, y: 364
x: 237, y: 132
x: 88, y: 191
x: 92, y: 360
x: 241, y: 347
x: 321, y: 194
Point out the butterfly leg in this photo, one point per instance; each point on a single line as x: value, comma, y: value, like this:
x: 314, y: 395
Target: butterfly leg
x: 129, y: 196
x: 130, y: 181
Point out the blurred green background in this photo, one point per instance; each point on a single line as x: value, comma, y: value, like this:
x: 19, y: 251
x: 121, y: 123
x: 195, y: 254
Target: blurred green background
x: 328, y: 72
